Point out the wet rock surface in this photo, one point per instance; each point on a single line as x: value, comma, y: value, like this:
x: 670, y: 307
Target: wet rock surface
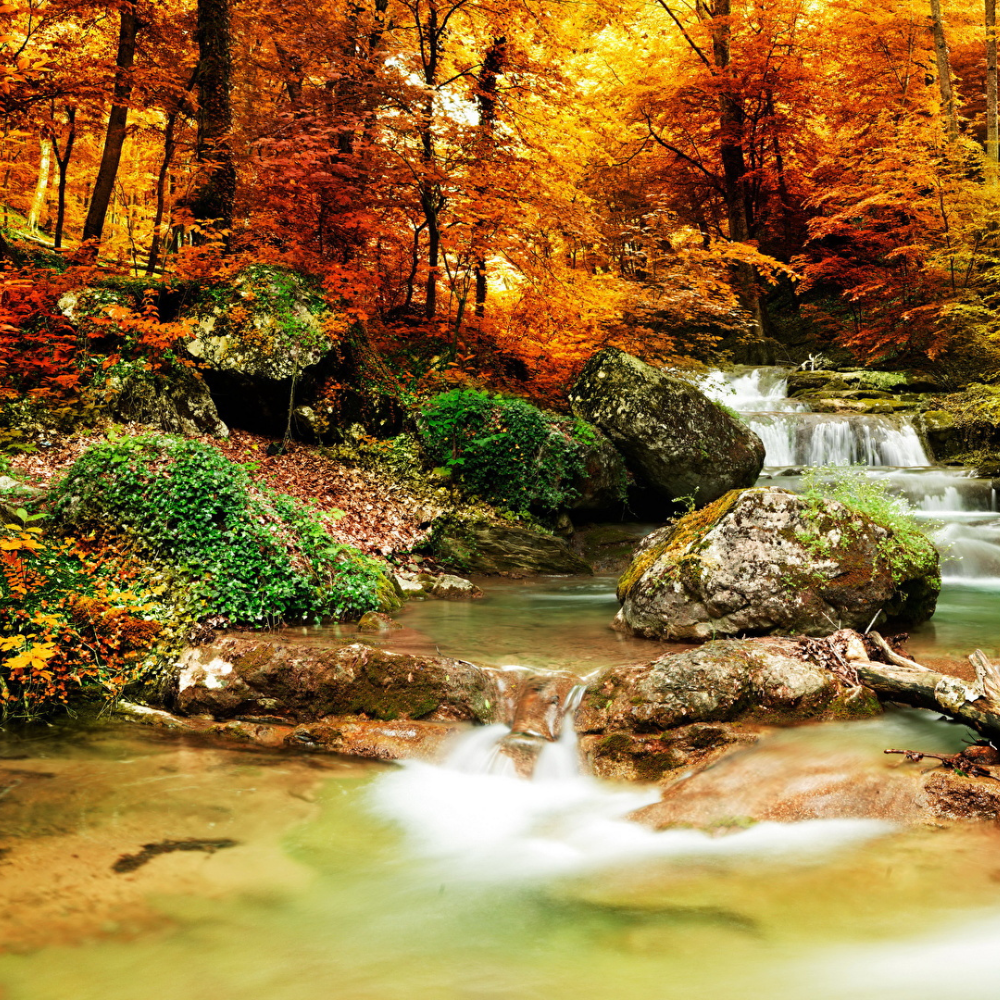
x: 777, y: 781
x: 765, y: 680
x: 675, y: 441
x: 762, y: 561
x: 268, y: 682
x: 483, y: 547
x: 626, y: 756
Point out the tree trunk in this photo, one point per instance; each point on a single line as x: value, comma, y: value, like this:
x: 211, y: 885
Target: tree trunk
x: 486, y: 101
x: 991, y: 91
x: 943, y: 60
x: 62, y: 163
x: 213, y: 201
x: 731, y: 136
x: 114, y: 140
x: 41, y: 188
x: 169, y: 148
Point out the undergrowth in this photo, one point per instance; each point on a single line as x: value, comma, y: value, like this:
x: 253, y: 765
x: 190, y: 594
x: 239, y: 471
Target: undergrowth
x: 506, y: 450
x: 907, y: 546
x: 238, y: 550
x: 67, y: 630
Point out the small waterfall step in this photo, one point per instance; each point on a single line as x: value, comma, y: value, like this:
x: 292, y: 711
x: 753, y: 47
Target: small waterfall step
x: 964, y: 511
x: 793, y: 435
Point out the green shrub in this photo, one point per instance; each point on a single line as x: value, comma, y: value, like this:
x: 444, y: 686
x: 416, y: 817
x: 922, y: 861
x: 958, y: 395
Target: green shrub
x: 242, y: 551
x: 506, y: 450
x: 909, y: 543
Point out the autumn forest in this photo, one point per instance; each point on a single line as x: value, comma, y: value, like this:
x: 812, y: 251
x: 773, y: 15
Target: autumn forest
x: 527, y: 181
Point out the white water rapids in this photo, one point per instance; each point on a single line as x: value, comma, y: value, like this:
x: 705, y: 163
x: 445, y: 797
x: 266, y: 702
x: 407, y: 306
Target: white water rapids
x: 963, y: 511
x: 483, y: 823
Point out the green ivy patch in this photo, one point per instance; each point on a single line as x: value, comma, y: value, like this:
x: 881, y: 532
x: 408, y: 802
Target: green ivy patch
x: 506, y: 450
x: 241, y: 550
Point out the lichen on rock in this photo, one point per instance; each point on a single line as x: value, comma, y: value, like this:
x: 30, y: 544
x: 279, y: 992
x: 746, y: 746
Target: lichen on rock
x: 766, y: 561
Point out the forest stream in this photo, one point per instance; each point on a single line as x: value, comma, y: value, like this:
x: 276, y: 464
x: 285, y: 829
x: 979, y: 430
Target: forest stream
x: 138, y: 863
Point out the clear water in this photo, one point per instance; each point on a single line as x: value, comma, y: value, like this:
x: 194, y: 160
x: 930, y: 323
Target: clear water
x: 364, y: 882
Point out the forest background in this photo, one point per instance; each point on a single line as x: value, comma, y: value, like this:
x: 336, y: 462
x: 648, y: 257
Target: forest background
x: 501, y: 188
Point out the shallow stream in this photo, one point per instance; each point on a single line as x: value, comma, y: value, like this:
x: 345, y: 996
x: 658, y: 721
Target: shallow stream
x: 138, y: 863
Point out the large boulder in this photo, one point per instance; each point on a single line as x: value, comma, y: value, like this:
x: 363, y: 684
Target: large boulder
x: 273, y: 681
x: 675, y: 441
x: 766, y: 561
x: 762, y: 680
x: 268, y: 340
x: 179, y: 403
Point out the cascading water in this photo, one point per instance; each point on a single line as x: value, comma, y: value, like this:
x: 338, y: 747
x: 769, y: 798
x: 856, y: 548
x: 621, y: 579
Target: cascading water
x: 484, y: 823
x: 794, y: 436
x: 889, y: 446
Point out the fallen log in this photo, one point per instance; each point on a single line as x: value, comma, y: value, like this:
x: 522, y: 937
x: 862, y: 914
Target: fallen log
x: 902, y: 680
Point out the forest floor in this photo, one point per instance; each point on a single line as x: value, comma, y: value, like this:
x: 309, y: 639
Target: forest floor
x: 370, y: 510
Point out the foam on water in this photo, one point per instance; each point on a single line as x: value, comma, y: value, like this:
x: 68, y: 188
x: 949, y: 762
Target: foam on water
x: 956, y: 962
x: 486, y: 824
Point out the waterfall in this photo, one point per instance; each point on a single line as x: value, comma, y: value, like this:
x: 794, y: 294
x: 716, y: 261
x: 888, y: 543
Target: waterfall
x: 481, y: 822
x: 838, y: 439
x: 961, y: 511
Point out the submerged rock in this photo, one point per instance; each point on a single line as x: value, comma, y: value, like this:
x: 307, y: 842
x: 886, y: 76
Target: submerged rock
x: 271, y: 681
x: 764, y: 680
x: 377, y: 621
x: 675, y: 441
x: 783, y: 780
x: 401, y: 740
x: 766, y: 561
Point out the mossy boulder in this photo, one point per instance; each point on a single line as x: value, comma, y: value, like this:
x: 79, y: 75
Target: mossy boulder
x: 815, y: 383
x: 942, y: 433
x: 179, y: 403
x: 766, y: 561
x: 480, y: 546
x: 268, y: 340
x: 675, y: 441
x: 257, y: 679
x: 763, y: 680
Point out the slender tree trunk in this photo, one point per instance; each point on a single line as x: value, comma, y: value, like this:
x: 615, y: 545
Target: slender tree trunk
x: 991, y: 91
x: 63, y: 157
x: 734, y: 170
x: 943, y: 60
x: 486, y: 99
x: 169, y: 148
x: 214, y: 200
x: 42, y: 187
x: 114, y: 140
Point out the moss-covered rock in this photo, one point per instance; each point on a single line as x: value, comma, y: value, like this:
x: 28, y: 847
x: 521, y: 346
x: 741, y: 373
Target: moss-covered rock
x: 762, y: 680
x: 650, y: 757
x: 179, y: 403
x: 675, y: 441
x: 250, y: 678
x: 478, y: 546
x: 766, y: 561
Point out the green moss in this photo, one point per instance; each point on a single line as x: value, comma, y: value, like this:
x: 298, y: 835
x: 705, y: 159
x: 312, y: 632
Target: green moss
x: 615, y: 743
x: 686, y: 536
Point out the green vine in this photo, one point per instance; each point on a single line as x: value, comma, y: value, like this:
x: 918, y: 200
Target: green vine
x: 241, y: 550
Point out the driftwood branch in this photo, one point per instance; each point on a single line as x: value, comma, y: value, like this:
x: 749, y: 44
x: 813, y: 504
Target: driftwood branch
x: 902, y: 680
x: 969, y: 761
